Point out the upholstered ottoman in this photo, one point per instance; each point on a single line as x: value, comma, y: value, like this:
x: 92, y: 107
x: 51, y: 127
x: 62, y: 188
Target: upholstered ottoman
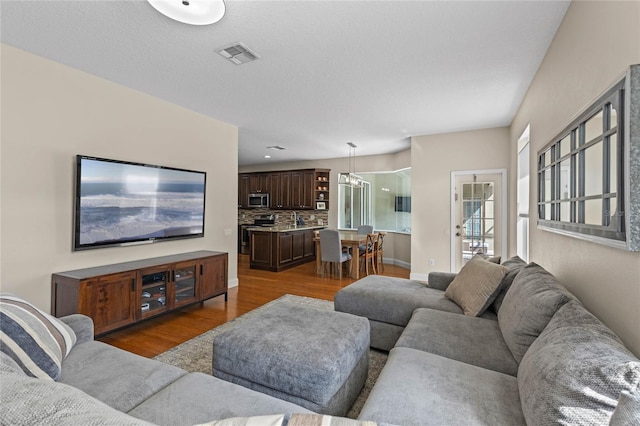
x: 313, y: 357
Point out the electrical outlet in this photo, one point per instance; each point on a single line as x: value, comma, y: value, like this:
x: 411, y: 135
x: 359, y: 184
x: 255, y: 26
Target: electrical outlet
x: 432, y: 262
x: 313, y: 216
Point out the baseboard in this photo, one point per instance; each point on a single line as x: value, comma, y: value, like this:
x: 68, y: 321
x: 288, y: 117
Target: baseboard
x: 232, y: 283
x: 389, y: 261
x: 418, y: 277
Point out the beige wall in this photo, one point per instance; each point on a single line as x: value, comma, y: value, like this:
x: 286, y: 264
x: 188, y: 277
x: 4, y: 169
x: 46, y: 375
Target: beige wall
x: 396, y: 246
x: 50, y: 113
x: 433, y: 158
x: 593, y: 47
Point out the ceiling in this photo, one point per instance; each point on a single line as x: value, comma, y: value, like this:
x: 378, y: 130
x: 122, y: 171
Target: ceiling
x: 371, y: 72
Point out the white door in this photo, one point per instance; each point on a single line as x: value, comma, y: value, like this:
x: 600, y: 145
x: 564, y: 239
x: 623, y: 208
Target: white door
x: 478, y: 220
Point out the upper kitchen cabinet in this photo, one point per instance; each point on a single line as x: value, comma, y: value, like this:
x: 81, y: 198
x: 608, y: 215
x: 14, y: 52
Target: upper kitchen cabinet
x: 258, y: 183
x: 288, y: 189
x: 302, y: 189
x: 280, y: 190
x: 251, y: 183
x: 243, y: 190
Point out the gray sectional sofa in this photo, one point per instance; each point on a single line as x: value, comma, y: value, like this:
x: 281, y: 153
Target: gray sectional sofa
x: 99, y: 384
x: 520, y: 351
x: 533, y: 355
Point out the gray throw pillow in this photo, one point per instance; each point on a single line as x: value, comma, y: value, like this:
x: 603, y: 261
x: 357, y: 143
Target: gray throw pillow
x: 514, y: 264
x: 533, y: 298
x: 575, y: 371
x: 476, y: 285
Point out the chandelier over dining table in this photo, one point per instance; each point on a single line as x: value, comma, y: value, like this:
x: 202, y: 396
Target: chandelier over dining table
x: 349, y: 178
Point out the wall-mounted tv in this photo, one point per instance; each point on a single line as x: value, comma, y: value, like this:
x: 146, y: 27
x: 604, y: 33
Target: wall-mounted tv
x: 403, y: 204
x: 120, y: 203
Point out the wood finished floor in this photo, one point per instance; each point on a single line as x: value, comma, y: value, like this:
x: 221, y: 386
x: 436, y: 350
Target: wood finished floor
x: 154, y: 336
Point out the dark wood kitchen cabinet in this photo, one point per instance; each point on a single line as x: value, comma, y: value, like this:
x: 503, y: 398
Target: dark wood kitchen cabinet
x: 243, y: 190
x: 302, y: 189
x: 258, y: 183
x: 121, y: 294
x: 276, y: 250
x: 306, y: 189
x: 280, y: 190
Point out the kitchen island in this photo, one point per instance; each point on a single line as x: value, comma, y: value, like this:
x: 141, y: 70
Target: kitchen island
x: 276, y: 248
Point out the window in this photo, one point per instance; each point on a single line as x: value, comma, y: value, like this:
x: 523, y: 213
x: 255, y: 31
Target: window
x: 581, y: 175
x: 522, y: 221
x: 383, y: 201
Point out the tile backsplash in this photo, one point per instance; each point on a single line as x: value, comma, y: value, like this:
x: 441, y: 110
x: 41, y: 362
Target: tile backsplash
x: 284, y: 217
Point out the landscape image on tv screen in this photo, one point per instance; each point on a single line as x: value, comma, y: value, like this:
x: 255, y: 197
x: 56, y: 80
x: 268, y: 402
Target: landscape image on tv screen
x: 119, y: 202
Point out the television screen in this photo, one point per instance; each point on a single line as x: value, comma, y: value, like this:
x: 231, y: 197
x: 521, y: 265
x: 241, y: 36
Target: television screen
x: 119, y: 203
x: 403, y: 204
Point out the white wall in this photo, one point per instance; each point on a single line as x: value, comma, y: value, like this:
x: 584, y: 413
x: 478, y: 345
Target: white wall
x: 433, y: 158
x: 50, y: 113
x: 593, y: 47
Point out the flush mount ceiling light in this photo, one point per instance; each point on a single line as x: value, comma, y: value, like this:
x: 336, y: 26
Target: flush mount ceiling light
x: 276, y: 148
x: 194, y: 12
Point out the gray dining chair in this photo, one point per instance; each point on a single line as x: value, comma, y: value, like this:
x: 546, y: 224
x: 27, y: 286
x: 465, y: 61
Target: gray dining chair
x: 331, y: 250
x: 365, y: 229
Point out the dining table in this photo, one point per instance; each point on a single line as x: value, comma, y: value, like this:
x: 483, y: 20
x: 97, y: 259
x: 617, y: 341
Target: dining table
x: 350, y: 239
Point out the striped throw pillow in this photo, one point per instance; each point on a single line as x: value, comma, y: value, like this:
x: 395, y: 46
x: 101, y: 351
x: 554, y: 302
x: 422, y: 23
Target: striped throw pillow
x: 37, y: 341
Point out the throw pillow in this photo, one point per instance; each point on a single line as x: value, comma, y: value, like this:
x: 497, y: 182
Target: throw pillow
x: 514, y: 264
x: 534, y: 297
x: 575, y: 371
x: 476, y: 285
x: 34, y: 339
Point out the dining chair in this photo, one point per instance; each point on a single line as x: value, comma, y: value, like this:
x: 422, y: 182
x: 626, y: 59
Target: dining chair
x: 379, y: 252
x: 368, y: 253
x: 365, y: 229
x: 331, y: 250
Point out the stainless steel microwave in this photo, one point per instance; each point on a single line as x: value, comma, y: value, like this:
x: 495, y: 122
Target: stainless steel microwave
x: 258, y: 200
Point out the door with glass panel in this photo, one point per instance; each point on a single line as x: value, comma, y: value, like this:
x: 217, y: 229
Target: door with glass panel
x: 477, y: 219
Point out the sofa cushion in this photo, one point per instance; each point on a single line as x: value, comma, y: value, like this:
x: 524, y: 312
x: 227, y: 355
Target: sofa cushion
x: 475, y: 341
x: 30, y: 401
x: 198, y: 398
x: 533, y: 299
x: 389, y: 299
x: 34, y: 339
x: 575, y: 371
x: 476, y: 285
x: 419, y: 388
x: 514, y: 265
x: 122, y: 380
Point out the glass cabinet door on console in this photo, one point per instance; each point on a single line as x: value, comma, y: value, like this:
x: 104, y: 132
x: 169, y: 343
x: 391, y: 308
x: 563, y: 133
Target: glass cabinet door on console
x: 153, y: 292
x: 184, y: 283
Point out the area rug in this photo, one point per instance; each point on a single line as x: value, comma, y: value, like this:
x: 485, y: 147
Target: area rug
x: 195, y: 354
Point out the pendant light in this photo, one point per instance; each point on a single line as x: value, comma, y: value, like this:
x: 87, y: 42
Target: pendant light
x: 351, y: 179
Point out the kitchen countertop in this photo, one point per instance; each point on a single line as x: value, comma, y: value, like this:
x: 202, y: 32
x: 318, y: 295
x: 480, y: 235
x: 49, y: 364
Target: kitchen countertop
x: 284, y: 228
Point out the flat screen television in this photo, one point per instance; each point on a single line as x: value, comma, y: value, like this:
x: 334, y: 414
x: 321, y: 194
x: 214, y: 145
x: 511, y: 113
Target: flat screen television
x: 121, y: 203
x: 403, y: 204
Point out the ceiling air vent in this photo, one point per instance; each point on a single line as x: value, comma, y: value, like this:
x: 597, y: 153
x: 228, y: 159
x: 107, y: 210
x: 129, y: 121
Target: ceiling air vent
x: 238, y: 54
